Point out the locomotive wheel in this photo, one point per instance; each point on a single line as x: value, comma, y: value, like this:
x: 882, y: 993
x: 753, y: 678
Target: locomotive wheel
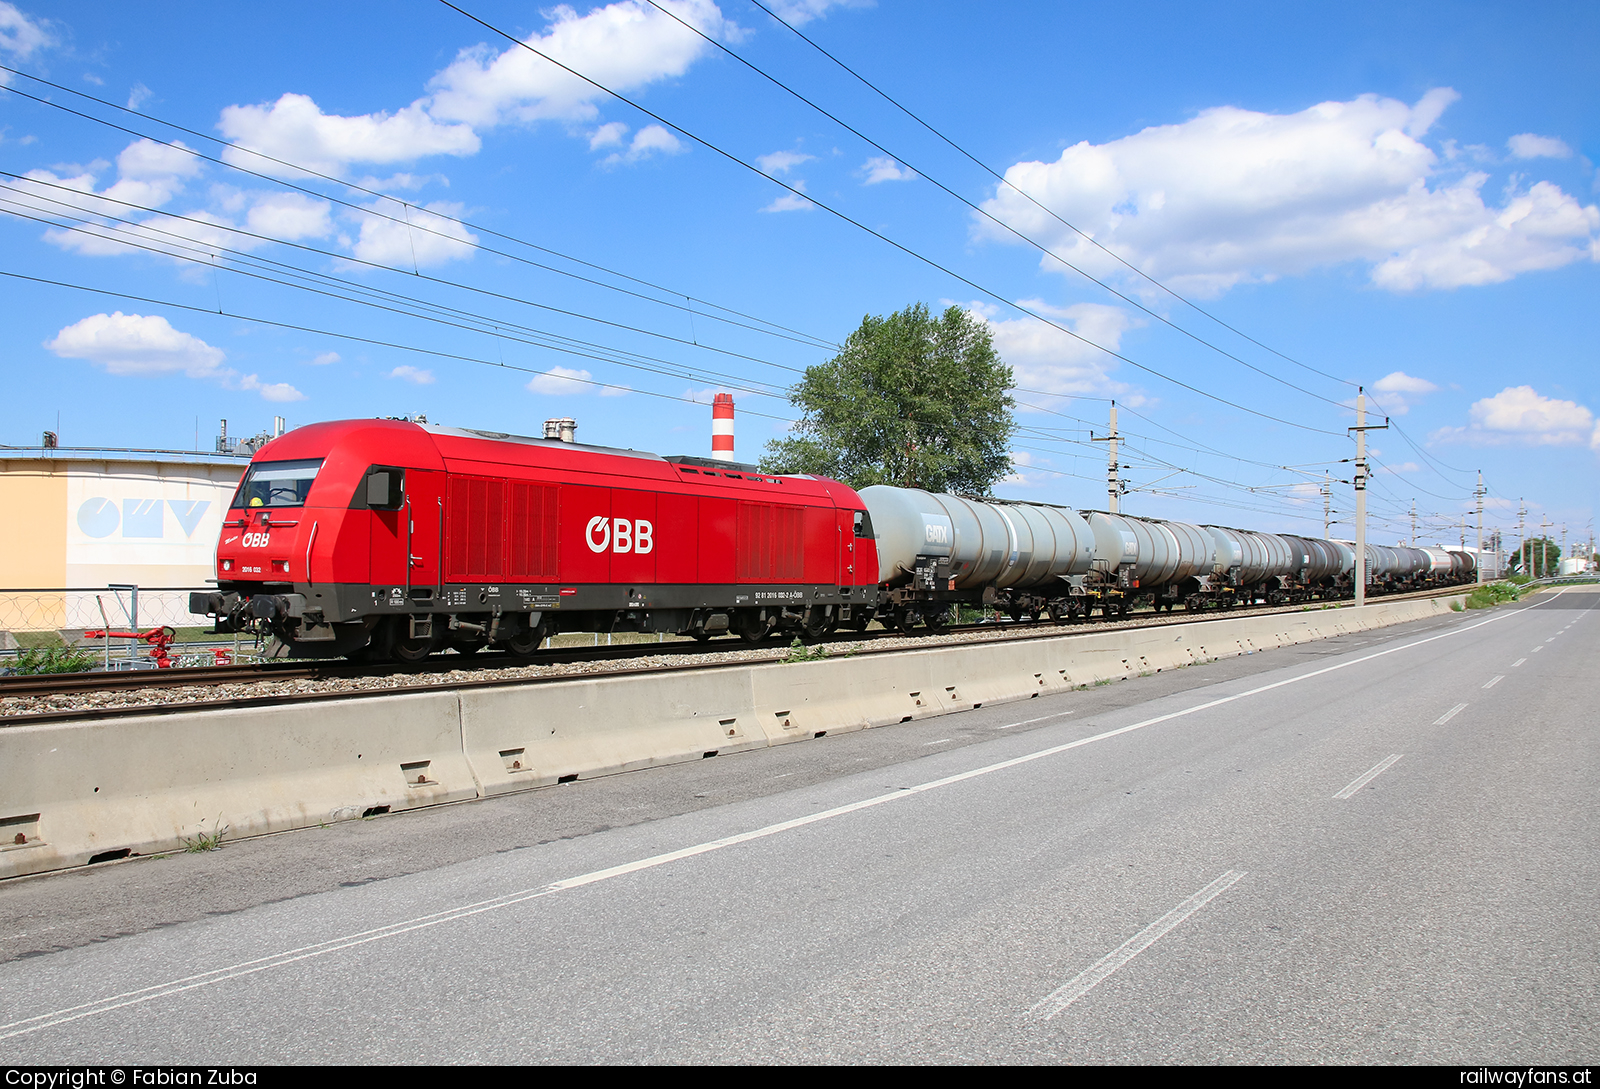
x: 526, y: 643
x: 905, y: 621
x: 751, y: 629
x: 1058, y: 615
x: 412, y: 651
x: 816, y: 626
x: 938, y: 622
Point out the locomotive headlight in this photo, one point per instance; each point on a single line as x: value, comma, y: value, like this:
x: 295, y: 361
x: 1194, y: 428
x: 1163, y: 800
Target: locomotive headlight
x: 227, y: 565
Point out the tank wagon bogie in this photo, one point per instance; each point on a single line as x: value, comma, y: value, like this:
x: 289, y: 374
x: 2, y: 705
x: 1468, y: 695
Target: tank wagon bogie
x: 382, y: 539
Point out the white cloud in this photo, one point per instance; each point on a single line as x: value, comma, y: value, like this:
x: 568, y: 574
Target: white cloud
x: 1395, y: 386
x: 881, y: 169
x: 270, y: 391
x: 646, y: 142
x: 625, y: 45
x: 407, y: 373
x: 1518, y: 415
x: 140, y: 346
x: 1403, y: 467
x: 790, y: 202
x: 291, y: 216
x: 565, y: 382
x: 138, y: 95
x: 1044, y: 358
x: 151, y: 174
x: 324, y: 359
x: 797, y: 12
x: 1235, y: 195
x: 432, y: 236
x: 1528, y: 146
x: 1017, y: 477
x: 295, y: 129
x: 781, y: 162
x: 608, y: 135
x: 1401, y: 382
x: 21, y: 36
x: 132, y: 344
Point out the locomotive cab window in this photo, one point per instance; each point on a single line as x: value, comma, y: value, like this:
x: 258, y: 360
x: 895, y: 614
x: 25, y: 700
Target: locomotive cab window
x: 277, y: 484
x: 863, y: 524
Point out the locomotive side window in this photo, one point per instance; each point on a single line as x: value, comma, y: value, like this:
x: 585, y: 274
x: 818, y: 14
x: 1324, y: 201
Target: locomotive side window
x: 277, y: 484
x: 863, y: 524
x: 382, y: 487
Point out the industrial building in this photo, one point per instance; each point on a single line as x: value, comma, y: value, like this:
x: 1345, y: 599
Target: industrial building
x: 81, y: 520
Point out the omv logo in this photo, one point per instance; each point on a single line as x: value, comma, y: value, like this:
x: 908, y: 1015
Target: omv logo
x: 146, y: 518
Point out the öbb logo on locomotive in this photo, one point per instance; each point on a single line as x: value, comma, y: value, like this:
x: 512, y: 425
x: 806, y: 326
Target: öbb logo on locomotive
x: 387, y: 539
x: 620, y: 535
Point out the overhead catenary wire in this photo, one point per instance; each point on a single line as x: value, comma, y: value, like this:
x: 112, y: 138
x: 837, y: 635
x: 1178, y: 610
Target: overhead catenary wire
x: 820, y: 342
x: 685, y: 373
x: 984, y: 211
x: 1028, y: 197
x: 907, y: 250
x: 1041, y: 247
x: 783, y: 332
x: 237, y: 316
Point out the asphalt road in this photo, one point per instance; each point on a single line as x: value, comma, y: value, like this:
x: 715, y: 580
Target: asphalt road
x: 1375, y: 849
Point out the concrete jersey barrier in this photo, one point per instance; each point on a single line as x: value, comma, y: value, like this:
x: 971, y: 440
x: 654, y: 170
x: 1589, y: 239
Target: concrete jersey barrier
x: 80, y: 791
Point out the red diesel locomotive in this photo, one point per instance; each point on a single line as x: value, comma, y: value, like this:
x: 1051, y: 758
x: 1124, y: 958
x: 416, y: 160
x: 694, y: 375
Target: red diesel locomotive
x: 388, y: 539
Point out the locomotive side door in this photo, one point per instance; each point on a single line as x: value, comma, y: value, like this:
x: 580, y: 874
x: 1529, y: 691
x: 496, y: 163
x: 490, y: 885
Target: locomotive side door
x: 406, y: 505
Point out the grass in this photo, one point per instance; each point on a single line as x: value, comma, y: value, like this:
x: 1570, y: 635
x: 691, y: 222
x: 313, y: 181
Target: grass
x: 205, y: 841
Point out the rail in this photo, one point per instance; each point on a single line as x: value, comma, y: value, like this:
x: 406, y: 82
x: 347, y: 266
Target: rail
x: 488, y: 669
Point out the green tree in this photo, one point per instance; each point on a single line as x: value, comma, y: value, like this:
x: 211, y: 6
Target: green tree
x: 912, y: 400
x: 1542, y: 556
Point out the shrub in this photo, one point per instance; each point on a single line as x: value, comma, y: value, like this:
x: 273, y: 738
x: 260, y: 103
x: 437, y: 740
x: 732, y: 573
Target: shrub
x: 36, y: 660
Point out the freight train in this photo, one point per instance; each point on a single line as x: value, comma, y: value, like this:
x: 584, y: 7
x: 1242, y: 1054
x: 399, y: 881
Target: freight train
x: 392, y: 540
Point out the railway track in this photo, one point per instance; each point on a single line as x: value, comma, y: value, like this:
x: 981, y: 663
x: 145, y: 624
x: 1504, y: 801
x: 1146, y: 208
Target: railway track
x: 493, y: 668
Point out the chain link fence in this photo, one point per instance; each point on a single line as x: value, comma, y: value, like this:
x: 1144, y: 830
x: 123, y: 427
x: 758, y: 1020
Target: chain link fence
x: 78, y: 609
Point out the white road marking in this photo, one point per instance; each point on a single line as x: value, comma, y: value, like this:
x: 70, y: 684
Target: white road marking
x: 1102, y: 969
x: 1348, y: 792
x: 1518, y: 662
x: 333, y: 945
x: 1536, y: 650
x: 1031, y: 721
x: 1450, y: 714
x: 1496, y: 679
x: 941, y: 741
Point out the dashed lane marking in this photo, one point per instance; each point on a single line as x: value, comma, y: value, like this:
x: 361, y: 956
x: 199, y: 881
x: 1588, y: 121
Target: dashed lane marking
x: 1091, y: 977
x: 1383, y: 765
x: 1496, y: 679
x: 1450, y: 714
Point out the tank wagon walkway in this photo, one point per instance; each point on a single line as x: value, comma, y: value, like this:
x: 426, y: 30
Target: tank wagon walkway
x: 1374, y: 848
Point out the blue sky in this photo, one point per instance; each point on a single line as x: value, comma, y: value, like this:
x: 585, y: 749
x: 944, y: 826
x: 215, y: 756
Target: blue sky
x: 1398, y: 196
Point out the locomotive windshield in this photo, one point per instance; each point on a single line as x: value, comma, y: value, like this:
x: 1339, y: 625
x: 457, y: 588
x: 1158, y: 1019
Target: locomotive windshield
x: 277, y: 484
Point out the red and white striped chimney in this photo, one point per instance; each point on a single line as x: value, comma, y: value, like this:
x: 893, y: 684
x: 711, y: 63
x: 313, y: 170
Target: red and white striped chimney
x: 722, y: 427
